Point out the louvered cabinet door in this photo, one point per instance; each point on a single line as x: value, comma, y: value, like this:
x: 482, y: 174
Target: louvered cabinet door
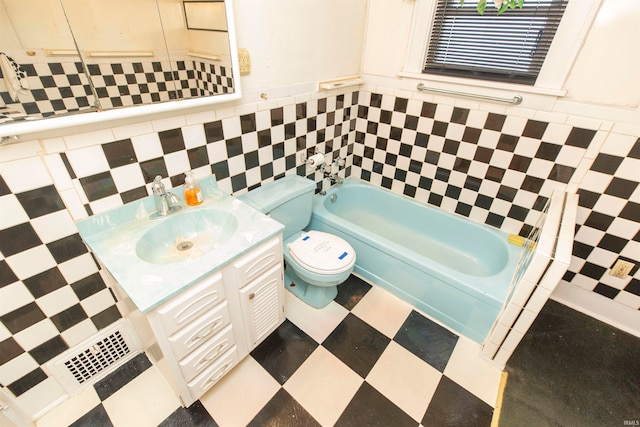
x: 262, y: 302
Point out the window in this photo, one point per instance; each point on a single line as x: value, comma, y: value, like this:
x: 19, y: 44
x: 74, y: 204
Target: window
x: 510, y: 47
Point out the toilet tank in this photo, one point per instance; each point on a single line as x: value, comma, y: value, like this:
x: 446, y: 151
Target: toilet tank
x: 287, y: 200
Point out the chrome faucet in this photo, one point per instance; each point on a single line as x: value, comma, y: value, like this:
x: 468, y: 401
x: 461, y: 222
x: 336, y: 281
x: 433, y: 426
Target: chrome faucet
x: 166, y: 202
x: 333, y: 169
x: 335, y: 179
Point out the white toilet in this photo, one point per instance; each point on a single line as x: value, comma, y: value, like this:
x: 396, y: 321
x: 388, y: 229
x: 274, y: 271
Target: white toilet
x: 315, y: 262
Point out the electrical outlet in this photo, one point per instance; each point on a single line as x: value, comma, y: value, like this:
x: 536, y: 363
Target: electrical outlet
x: 244, y: 60
x: 621, y: 268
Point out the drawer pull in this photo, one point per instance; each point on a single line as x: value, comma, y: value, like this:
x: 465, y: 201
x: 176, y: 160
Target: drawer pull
x: 187, y: 312
x: 260, y: 264
x: 252, y: 295
x: 214, y: 325
x: 221, y: 373
x: 211, y: 357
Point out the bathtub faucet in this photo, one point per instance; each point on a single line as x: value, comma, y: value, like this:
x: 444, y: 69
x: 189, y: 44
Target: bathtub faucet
x: 332, y: 170
x: 335, y: 179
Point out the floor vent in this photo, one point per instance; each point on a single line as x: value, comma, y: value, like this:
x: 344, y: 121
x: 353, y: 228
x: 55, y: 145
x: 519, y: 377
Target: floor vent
x: 95, y: 358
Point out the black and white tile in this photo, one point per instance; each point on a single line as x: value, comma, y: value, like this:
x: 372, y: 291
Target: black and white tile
x: 319, y: 368
x: 493, y: 168
x: 62, y: 87
x: 609, y: 229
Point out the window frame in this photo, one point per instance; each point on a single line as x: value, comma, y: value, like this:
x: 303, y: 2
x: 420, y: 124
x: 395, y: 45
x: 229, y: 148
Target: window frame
x: 572, y: 31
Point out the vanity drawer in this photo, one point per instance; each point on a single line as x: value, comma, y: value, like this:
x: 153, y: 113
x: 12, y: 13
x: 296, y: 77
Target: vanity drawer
x: 207, y: 354
x: 192, y: 303
x: 197, y: 333
x: 257, y: 262
x: 213, y: 373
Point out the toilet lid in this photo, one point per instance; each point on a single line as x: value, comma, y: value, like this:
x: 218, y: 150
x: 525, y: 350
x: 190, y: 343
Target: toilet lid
x: 322, y: 253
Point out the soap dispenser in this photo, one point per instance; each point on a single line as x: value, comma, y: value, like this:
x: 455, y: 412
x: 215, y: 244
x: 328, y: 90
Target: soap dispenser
x: 192, y: 192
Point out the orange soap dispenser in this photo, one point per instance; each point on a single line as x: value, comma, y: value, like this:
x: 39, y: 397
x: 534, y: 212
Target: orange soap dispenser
x: 192, y: 192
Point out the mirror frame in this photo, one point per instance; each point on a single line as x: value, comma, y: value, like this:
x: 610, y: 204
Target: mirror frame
x: 10, y: 132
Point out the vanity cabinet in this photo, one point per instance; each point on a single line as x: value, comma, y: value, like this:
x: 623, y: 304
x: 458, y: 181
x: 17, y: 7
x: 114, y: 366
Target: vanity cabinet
x: 208, y: 328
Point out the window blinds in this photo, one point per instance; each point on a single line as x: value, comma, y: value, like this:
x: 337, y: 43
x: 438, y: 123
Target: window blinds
x: 510, y: 47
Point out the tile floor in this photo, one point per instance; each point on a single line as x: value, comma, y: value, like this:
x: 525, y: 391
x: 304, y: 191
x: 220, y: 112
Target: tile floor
x: 557, y: 377
x: 366, y: 359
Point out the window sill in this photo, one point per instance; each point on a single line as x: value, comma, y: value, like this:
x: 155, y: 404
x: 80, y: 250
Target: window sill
x: 454, y: 83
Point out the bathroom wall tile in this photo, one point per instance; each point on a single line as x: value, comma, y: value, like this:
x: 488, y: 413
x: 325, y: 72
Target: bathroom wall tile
x: 119, y: 153
x: 45, y: 282
x: 48, y: 350
x: 40, y: 201
x: 74, y: 204
x: 147, y: 146
x: 32, y: 261
x: 12, y: 211
x: 127, y: 178
x: 23, y: 150
x: 9, y: 349
x: 177, y: 163
x: 88, y: 161
x: 17, y: 181
x: 14, y: 295
x: 17, y: 239
x: 78, y: 268
x: 22, y: 317
x: 67, y: 248
x: 69, y: 317
x: 78, y: 332
x: 58, y: 171
x: 7, y: 276
x: 106, y: 317
x: 98, y: 302
x: 98, y: 186
x: 105, y: 204
x: 194, y: 136
x: 18, y: 373
x: 88, y: 139
x: 35, y: 335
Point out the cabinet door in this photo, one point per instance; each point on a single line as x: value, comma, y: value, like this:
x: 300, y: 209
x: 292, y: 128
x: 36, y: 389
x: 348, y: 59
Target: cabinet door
x: 263, y: 305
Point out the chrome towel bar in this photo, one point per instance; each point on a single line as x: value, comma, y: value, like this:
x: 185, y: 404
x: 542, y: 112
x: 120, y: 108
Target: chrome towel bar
x: 514, y: 101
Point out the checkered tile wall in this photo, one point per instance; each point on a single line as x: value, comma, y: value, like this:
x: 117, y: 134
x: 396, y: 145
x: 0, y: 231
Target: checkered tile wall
x: 499, y: 169
x: 55, y: 88
x: 609, y: 229
x: 60, y: 88
x: 493, y: 168
x: 51, y: 291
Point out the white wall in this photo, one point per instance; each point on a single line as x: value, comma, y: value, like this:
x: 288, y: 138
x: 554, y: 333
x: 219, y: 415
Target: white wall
x: 607, y: 70
x: 604, y: 81
x: 294, y: 43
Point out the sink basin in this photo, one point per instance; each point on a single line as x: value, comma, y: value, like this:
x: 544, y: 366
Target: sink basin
x: 185, y: 236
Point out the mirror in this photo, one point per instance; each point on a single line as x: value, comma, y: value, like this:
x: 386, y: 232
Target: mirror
x: 121, y: 58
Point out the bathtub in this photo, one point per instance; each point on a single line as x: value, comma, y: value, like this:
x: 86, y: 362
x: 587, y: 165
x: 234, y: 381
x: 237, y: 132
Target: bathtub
x: 451, y: 268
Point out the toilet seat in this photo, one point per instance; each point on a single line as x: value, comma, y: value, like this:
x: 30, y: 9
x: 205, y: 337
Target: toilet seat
x: 322, y: 253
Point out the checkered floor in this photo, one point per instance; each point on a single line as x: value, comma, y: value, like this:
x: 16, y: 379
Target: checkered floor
x: 366, y: 359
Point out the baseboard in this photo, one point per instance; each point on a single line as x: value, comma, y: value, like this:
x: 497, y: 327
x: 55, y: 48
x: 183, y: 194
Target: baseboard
x: 598, y: 307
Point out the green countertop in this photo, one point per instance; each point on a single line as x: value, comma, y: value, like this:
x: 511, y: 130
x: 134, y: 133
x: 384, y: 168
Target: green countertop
x: 113, y: 235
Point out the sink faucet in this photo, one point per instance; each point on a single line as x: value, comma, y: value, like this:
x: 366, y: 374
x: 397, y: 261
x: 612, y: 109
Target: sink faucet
x: 166, y: 202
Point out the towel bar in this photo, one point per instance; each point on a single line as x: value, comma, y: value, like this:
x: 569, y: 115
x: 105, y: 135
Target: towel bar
x: 514, y: 101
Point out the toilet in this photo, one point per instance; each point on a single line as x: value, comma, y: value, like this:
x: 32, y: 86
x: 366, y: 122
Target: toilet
x: 315, y: 262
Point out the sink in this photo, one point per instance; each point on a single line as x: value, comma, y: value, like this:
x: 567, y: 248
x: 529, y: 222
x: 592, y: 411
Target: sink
x: 186, y: 236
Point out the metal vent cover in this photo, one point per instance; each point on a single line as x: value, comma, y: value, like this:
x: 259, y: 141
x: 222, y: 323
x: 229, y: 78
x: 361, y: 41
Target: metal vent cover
x: 96, y: 357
